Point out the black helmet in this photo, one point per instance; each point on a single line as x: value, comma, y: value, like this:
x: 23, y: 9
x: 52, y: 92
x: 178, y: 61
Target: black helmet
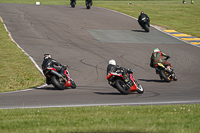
x: 47, y: 56
x: 142, y: 13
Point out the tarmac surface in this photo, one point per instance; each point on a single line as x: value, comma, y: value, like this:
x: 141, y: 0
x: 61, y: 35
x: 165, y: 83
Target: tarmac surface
x: 86, y: 40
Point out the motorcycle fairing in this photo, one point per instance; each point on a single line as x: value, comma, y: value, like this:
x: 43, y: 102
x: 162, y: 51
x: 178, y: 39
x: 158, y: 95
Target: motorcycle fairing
x: 134, y: 87
x: 68, y: 82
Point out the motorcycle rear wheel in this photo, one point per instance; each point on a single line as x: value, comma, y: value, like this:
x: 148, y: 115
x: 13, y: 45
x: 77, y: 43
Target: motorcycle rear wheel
x: 58, y: 83
x: 122, y: 87
x: 165, y: 75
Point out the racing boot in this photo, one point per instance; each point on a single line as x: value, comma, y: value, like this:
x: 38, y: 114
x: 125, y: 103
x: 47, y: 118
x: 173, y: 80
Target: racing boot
x: 48, y: 81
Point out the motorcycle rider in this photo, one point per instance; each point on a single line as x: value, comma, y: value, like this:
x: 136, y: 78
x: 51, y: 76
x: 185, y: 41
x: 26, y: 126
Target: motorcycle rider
x: 50, y: 62
x: 143, y: 15
x: 157, y: 57
x: 72, y: 1
x: 113, y: 67
x: 87, y: 1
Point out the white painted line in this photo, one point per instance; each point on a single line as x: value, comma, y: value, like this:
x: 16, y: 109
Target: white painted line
x: 112, y: 104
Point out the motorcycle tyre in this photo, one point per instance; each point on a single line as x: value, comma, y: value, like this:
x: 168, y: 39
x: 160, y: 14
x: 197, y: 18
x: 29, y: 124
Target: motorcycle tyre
x: 162, y: 74
x: 73, y: 86
x: 146, y: 28
x: 88, y: 6
x: 140, y: 91
x: 118, y: 85
x: 56, y: 83
x: 73, y: 5
x: 175, y: 77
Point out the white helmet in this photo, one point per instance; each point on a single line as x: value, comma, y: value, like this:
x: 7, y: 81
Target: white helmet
x: 112, y: 62
x: 156, y: 50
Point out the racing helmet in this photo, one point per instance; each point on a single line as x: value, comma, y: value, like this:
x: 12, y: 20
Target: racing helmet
x: 156, y: 50
x: 112, y: 62
x: 47, y: 56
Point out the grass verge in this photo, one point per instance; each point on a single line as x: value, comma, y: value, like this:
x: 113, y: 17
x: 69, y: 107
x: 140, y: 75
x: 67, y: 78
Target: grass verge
x: 17, y: 72
x: 105, y: 119
x: 138, y: 119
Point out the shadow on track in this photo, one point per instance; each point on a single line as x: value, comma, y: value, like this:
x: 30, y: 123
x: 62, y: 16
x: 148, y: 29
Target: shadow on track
x: 138, y: 31
x: 152, y: 80
x: 50, y: 88
x: 112, y: 93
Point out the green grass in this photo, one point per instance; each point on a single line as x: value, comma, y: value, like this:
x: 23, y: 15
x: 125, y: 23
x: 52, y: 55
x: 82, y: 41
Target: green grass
x: 17, y: 72
x: 104, y: 119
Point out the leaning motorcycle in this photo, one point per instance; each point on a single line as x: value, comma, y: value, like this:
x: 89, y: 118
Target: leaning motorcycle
x: 58, y: 80
x: 165, y: 72
x: 88, y: 4
x: 145, y: 24
x: 73, y: 3
x: 116, y: 80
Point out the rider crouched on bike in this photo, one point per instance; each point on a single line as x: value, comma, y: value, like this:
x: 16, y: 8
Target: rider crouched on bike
x: 87, y: 1
x: 143, y: 15
x: 50, y: 62
x: 113, y: 67
x: 157, y: 57
x: 72, y: 1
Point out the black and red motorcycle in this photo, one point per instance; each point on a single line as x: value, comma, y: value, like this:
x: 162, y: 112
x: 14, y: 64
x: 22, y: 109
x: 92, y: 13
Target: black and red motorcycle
x: 116, y: 80
x: 166, y: 73
x: 58, y: 80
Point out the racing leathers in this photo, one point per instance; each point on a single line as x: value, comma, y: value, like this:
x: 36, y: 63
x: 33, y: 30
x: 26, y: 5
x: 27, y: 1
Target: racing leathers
x: 141, y: 17
x: 53, y: 63
x: 88, y: 1
x: 157, y: 57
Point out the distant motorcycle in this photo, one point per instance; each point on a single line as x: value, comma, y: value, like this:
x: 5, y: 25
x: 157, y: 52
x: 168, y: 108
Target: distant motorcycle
x: 116, y: 80
x: 144, y: 23
x: 165, y: 73
x: 88, y: 4
x: 58, y: 80
x: 73, y: 3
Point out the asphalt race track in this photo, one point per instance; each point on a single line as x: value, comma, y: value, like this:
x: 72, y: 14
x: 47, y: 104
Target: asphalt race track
x: 85, y: 40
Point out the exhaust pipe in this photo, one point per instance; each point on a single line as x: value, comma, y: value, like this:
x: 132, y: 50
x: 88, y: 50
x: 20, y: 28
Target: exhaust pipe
x: 58, y: 74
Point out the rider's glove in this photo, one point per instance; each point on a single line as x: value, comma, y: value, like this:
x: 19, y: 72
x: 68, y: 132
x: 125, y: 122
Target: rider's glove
x: 129, y: 71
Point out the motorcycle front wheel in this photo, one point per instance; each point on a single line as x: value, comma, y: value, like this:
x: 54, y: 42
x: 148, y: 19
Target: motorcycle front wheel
x: 88, y: 5
x: 175, y: 77
x: 58, y: 83
x: 122, y: 87
x: 73, y: 4
x: 73, y: 86
x: 140, y: 90
x: 146, y: 28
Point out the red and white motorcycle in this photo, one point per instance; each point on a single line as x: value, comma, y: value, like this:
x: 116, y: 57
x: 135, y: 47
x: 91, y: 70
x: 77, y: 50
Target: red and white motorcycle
x: 117, y: 81
x: 58, y: 80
